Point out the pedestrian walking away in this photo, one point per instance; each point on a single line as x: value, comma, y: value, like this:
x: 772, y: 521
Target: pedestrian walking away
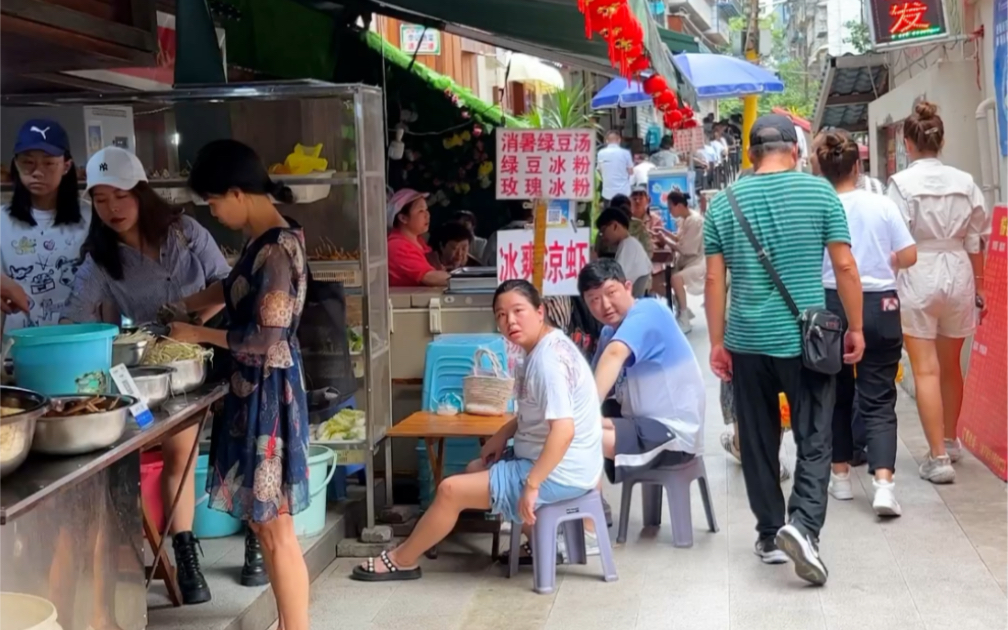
x: 794, y: 217
x: 881, y: 243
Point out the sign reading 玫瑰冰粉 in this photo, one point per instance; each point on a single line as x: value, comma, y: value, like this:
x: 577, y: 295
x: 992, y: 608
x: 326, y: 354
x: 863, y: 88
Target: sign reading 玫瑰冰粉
x: 567, y: 252
x: 895, y: 23
x: 545, y: 164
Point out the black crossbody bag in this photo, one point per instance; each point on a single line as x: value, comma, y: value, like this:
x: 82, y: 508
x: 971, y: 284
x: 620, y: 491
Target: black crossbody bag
x: 821, y: 330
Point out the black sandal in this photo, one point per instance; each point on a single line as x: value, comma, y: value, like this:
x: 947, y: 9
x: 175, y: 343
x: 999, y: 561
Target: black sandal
x: 393, y: 573
x: 524, y: 560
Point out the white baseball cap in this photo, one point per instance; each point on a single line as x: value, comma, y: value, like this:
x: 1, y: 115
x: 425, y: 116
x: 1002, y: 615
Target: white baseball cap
x: 116, y: 167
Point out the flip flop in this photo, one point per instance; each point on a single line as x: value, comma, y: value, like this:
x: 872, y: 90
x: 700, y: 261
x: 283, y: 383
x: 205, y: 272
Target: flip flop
x: 393, y: 573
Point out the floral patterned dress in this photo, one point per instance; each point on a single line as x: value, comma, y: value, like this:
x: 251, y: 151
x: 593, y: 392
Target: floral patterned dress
x: 259, y: 447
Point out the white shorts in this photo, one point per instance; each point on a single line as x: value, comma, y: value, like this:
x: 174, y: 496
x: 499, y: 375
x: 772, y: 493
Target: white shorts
x: 938, y: 296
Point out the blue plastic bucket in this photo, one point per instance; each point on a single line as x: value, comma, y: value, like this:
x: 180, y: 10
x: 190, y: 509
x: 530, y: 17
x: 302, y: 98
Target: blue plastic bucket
x: 61, y: 360
x: 311, y: 521
x: 207, y: 522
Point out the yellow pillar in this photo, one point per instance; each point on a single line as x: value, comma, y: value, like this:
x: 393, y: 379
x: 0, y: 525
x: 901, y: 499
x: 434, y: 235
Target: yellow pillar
x: 748, y: 114
x: 539, y: 244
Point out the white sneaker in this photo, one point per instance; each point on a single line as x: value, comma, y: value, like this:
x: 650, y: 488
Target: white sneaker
x: 684, y: 324
x: 937, y: 469
x: 840, y: 486
x: 690, y: 313
x: 785, y: 472
x: 885, y: 503
x: 953, y: 448
x: 591, y: 544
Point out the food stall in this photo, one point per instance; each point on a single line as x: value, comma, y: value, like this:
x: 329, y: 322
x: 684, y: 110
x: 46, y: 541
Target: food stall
x: 327, y: 143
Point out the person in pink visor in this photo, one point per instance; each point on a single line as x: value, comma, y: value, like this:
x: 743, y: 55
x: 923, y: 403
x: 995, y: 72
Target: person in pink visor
x: 408, y: 221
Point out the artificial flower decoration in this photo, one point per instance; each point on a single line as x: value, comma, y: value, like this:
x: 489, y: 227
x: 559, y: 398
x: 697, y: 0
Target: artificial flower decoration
x: 477, y: 131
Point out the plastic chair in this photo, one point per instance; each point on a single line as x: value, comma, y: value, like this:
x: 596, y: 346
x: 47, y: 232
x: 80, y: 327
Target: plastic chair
x: 569, y: 515
x: 676, y: 480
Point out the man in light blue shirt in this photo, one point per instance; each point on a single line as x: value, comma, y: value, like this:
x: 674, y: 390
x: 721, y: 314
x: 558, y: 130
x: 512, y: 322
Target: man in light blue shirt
x: 615, y: 164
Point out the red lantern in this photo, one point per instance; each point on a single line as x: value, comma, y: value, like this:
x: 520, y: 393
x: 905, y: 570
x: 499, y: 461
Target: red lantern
x: 654, y: 84
x: 690, y: 124
x: 599, y: 13
x: 626, y: 39
x: 687, y: 112
x: 638, y: 65
x: 665, y: 98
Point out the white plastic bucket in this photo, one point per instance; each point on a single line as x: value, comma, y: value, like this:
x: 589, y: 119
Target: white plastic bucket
x: 19, y: 611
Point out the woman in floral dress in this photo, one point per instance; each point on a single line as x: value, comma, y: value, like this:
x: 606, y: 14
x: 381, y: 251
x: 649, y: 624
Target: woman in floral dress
x: 259, y: 448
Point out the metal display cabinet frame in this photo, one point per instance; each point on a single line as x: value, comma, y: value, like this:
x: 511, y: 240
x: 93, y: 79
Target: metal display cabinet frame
x: 350, y: 122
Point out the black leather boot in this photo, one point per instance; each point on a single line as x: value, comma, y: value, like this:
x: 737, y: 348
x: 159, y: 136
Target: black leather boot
x: 187, y: 569
x: 254, y: 570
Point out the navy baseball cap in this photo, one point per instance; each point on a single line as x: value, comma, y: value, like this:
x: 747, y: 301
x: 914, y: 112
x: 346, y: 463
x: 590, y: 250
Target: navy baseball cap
x: 773, y: 128
x: 42, y: 135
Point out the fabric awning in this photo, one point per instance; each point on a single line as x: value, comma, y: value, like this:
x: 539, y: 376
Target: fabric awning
x: 551, y: 29
x: 527, y: 69
x: 849, y: 84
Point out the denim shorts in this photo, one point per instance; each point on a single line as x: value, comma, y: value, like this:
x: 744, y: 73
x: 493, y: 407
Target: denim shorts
x: 507, y: 481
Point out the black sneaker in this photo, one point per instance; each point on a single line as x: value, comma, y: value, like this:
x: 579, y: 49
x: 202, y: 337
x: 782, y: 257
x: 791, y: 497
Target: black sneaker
x: 804, y: 552
x: 187, y: 569
x: 254, y: 570
x: 768, y: 551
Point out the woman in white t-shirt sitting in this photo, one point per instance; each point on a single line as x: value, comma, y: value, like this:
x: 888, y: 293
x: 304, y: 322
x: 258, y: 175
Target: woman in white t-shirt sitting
x: 881, y: 244
x: 557, y: 453
x: 45, y: 223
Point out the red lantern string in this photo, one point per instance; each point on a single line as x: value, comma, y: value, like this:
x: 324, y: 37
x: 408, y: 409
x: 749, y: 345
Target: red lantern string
x: 638, y: 65
x: 654, y: 84
x: 598, y: 14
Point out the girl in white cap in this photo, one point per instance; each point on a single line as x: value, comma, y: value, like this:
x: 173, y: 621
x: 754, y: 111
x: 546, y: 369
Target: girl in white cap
x: 140, y: 254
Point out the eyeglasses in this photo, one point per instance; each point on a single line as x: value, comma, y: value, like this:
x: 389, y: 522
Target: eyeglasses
x: 27, y: 165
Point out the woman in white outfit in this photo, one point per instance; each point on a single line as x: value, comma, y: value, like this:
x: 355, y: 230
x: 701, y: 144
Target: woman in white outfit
x: 942, y: 294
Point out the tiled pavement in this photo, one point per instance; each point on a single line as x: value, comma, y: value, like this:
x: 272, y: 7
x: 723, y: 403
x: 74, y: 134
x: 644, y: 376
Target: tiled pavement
x: 941, y: 566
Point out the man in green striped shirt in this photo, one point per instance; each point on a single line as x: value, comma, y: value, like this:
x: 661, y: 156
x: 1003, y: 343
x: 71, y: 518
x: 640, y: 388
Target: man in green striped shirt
x: 795, y: 217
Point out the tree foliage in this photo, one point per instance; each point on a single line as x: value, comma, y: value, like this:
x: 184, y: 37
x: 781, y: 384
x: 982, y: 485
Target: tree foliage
x: 860, y: 37
x: 801, y: 85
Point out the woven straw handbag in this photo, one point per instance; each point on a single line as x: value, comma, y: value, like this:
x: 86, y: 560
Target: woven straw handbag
x: 487, y: 392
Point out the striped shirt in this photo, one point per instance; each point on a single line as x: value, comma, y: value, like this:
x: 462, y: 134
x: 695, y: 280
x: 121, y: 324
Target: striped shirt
x: 189, y: 262
x: 794, y: 215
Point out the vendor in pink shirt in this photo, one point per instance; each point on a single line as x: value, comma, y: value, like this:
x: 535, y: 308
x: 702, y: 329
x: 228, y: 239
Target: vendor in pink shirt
x: 408, y: 221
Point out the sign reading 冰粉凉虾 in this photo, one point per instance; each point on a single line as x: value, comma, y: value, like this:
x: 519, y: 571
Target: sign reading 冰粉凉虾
x: 895, y: 23
x: 567, y: 252
x: 545, y: 164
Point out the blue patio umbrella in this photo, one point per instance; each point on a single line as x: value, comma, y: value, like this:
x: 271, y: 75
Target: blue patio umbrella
x: 721, y: 76
x: 620, y: 93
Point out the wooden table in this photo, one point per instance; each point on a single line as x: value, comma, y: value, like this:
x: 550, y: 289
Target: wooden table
x: 433, y: 429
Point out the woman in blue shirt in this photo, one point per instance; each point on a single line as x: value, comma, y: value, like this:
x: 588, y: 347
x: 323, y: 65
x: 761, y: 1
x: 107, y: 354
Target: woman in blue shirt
x: 140, y: 254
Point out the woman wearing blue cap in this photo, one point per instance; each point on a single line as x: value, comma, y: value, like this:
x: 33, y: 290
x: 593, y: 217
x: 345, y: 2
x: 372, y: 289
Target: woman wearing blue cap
x: 45, y: 223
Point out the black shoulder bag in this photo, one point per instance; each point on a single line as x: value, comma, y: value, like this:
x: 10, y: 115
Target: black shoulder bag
x: 821, y: 330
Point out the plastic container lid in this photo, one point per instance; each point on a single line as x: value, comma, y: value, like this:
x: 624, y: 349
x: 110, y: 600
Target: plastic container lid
x: 69, y: 333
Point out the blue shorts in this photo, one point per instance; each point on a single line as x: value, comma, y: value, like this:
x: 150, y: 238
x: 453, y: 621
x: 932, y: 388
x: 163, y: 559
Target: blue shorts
x: 507, y: 481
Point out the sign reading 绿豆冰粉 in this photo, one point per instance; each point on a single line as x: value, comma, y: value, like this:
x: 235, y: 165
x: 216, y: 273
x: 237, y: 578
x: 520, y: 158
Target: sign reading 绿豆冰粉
x: 897, y: 23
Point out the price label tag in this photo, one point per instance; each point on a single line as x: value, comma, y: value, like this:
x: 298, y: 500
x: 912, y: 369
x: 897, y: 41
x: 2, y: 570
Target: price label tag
x: 121, y: 377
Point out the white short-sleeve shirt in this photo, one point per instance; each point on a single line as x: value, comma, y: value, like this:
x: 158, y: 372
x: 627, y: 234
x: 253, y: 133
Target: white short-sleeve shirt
x: 555, y: 382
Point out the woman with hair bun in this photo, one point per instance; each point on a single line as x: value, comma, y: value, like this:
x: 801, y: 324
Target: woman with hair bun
x: 259, y: 446
x: 881, y: 244
x: 942, y: 294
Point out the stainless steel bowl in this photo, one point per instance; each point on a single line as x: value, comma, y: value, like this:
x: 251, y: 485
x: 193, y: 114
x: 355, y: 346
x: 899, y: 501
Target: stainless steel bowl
x: 154, y: 383
x: 188, y: 375
x: 18, y: 428
x: 129, y: 354
x: 73, y: 435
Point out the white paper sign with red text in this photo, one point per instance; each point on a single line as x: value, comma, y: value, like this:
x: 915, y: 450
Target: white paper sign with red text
x: 567, y: 252
x: 546, y: 164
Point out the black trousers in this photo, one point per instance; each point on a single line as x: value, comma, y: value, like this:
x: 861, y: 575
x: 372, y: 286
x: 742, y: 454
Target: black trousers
x: 756, y: 382
x: 874, y: 388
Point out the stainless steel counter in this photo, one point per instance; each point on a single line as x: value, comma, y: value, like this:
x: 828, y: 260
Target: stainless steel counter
x: 72, y: 528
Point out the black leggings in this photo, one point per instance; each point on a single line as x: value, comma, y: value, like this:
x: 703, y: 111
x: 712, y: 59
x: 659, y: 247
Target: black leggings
x: 874, y: 384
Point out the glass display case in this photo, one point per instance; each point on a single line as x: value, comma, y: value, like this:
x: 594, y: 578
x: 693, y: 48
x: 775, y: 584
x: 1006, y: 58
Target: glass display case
x: 339, y: 201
